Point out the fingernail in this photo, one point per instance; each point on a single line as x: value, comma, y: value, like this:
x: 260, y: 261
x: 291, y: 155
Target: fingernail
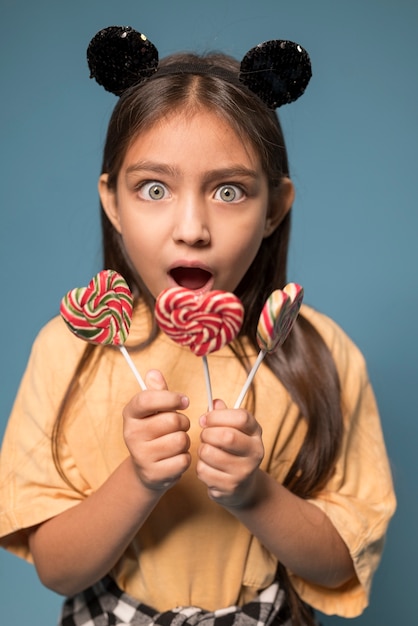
x: 202, y: 421
x: 184, y: 402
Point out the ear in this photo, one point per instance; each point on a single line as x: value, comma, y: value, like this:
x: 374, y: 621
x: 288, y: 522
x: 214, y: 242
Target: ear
x: 108, y: 200
x: 280, y: 205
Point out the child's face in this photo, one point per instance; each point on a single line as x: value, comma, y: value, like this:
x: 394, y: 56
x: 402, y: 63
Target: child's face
x: 191, y: 204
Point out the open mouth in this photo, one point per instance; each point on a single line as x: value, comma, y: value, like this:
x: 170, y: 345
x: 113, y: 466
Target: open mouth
x: 190, y: 277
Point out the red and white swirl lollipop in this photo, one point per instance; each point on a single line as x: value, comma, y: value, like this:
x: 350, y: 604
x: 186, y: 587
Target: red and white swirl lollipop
x: 101, y: 313
x: 276, y: 321
x: 203, y: 322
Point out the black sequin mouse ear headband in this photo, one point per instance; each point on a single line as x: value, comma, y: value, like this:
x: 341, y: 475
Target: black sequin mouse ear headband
x: 277, y: 71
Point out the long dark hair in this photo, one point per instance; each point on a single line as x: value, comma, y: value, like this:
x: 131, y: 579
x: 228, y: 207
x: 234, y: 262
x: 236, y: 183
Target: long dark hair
x: 304, y: 364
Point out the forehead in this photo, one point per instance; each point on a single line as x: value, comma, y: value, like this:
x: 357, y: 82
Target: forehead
x: 194, y: 130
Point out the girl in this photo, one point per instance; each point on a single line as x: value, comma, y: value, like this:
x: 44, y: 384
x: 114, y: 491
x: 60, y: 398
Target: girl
x: 180, y: 514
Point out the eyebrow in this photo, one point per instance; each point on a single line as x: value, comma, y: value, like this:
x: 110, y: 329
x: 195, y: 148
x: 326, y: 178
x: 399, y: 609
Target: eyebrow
x: 151, y: 166
x: 224, y: 173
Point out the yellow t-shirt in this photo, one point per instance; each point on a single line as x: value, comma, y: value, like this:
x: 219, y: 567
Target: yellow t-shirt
x: 191, y: 551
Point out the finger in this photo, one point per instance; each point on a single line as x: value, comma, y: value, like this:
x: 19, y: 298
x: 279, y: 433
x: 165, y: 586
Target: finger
x: 167, y: 446
x: 153, y: 427
x: 224, y: 438
x: 155, y: 399
x: 149, y: 403
x: 221, y: 483
x: 162, y: 411
x: 239, y: 419
x: 166, y: 472
x: 155, y: 380
x: 226, y: 472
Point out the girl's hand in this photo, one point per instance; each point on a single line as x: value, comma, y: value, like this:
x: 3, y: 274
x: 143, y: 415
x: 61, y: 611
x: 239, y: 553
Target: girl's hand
x: 76, y: 548
x: 155, y: 433
x: 230, y: 454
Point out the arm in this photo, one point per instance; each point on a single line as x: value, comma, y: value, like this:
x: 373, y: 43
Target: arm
x: 298, y: 533
x: 78, y: 547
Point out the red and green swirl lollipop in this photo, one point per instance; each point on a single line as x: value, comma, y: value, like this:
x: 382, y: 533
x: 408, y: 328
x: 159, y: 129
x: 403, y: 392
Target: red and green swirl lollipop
x: 277, y: 317
x: 101, y: 313
x: 203, y: 322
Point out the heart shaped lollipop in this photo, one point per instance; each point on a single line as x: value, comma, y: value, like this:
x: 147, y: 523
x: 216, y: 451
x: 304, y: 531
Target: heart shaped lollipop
x: 277, y: 317
x: 203, y: 322
x: 101, y: 313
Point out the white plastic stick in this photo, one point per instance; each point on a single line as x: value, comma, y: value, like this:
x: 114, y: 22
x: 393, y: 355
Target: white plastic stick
x: 249, y: 380
x: 208, y: 384
x: 132, y: 366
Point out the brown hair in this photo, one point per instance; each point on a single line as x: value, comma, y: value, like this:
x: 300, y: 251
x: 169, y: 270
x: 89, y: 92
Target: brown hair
x: 304, y: 364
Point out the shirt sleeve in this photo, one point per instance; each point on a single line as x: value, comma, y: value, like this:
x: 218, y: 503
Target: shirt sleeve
x: 31, y: 489
x: 359, y: 499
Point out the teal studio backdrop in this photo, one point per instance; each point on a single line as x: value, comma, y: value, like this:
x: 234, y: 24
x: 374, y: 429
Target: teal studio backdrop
x: 352, y: 141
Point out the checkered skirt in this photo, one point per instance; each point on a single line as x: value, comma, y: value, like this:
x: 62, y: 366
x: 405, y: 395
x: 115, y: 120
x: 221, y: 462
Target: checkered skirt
x: 104, y: 604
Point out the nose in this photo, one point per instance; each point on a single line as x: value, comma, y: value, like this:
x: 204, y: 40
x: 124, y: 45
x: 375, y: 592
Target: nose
x: 191, y: 222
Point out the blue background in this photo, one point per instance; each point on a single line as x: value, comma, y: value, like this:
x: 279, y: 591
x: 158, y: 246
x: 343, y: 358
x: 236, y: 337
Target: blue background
x: 352, y: 141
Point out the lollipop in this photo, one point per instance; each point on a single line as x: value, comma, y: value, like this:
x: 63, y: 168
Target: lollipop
x: 276, y: 321
x: 101, y: 313
x: 278, y: 316
x: 203, y: 322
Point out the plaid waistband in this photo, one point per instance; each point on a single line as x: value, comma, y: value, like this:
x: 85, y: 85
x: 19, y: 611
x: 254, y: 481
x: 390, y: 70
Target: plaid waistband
x: 104, y: 604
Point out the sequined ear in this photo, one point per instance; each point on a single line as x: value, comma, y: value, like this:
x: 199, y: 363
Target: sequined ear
x: 120, y: 57
x: 277, y: 71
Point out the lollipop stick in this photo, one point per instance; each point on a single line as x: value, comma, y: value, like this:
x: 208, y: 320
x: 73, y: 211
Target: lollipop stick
x: 249, y: 380
x: 132, y: 366
x: 207, y: 380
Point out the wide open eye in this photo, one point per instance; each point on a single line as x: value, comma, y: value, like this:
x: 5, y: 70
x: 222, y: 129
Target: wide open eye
x: 153, y: 190
x: 229, y: 193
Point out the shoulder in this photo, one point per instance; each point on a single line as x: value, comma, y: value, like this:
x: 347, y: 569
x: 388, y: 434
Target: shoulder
x: 56, y: 331
x: 330, y: 331
x: 56, y: 347
x: 347, y: 356
x: 53, y: 359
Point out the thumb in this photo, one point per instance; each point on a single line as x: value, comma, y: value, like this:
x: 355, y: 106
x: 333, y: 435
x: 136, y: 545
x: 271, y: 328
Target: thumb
x: 219, y: 404
x: 155, y: 380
